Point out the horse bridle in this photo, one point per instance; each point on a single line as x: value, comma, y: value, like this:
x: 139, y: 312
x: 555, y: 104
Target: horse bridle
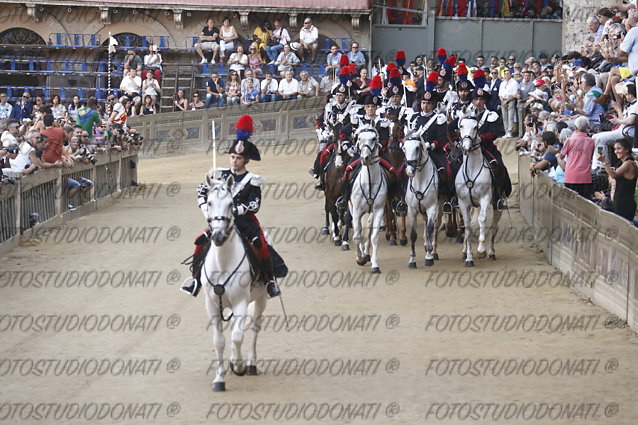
x: 469, y: 183
x: 374, y: 159
x: 419, y: 166
x: 473, y: 146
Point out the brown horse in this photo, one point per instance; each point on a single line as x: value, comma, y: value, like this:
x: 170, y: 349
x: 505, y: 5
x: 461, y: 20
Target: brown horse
x: 396, y: 157
x: 333, y: 182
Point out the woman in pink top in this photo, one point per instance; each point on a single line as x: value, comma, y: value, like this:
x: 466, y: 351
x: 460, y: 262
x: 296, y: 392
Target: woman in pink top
x: 579, y: 149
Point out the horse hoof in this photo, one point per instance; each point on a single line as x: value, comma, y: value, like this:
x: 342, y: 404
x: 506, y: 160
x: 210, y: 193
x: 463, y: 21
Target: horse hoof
x: 393, y: 242
x: 436, y: 256
x: 345, y: 247
x: 219, y: 386
x: 382, y: 228
x: 429, y: 263
x: 366, y: 258
x: 337, y: 242
x: 387, y: 236
x: 459, y: 240
x: 492, y: 257
x: 361, y: 261
x: 375, y: 270
x: 324, y: 231
x: 403, y: 242
x: 481, y: 254
x: 251, y: 370
x: 469, y: 264
x: 412, y: 265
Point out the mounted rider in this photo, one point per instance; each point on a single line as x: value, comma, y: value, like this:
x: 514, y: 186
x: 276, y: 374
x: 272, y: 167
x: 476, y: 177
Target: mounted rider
x: 489, y: 129
x: 463, y: 91
x: 246, y: 191
x: 368, y: 116
x: 433, y: 129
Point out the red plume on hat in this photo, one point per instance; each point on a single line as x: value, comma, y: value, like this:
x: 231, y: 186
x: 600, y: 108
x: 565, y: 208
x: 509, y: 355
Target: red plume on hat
x: 376, y: 85
x: 399, y: 58
x: 344, y: 74
x: 461, y: 72
x: 389, y: 67
x: 432, y: 81
x: 479, y: 79
x: 395, y: 77
x: 441, y: 55
x: 353, y: 69
x: 244, y: 127
x: 343, y: 61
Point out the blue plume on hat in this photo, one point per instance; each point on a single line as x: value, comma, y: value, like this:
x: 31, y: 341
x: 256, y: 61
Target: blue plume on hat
x: 244, y: 128
x: 432, y: 81
x: 441, y: 55
x: 479, y: 79
x: 389, y: 67
x: 395, y: 77
x: 344, y: 75
x: 375, y: 86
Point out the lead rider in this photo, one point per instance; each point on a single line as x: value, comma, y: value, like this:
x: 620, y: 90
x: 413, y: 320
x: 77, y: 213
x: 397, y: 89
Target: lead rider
x: 246, y: 191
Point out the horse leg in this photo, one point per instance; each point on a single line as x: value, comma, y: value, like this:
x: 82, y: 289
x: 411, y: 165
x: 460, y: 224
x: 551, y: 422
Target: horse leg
x: 376, y: 217
x: 437, y: 224
x: 260, y: 306
x: 336, y: 236
x: 496, y: 217
x: 356, y: 236
x: 218, y: 342
x: 403, y: 238
x: 237, y: 337
x: 347, y: 224
x: 482, y: 217
x: 467, y: 248
x: 326, y: 224
x: 391, y: 228
x: 428, y: 231
x: 413, y: 216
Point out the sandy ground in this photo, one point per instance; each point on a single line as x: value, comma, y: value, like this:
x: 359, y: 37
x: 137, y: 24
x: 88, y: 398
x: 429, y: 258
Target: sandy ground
x: 504, y: 342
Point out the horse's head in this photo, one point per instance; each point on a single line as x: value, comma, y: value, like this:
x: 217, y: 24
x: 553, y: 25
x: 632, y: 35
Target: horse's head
x: 414, y: 149
x: 220, y: 209
x: 468, y: 130
x: 368, y: 144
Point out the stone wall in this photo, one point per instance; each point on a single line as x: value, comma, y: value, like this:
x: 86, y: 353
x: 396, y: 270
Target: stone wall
x: 575, y: 14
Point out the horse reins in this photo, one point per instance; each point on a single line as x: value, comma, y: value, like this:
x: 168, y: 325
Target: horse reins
x: 370, y: 200
x: 419, y: 194
x: 469, y: 183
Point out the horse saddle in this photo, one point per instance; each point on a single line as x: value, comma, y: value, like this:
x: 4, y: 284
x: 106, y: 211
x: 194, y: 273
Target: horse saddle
x: 254, y: 260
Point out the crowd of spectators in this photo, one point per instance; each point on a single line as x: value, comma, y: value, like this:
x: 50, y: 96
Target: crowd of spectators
x: 38, y: 136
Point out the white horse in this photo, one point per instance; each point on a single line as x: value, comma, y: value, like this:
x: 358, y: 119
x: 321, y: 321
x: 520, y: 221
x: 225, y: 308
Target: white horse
x: 474, y: 188
x: 369, y: 196
x: 228, y: 280
x: 422, y: 195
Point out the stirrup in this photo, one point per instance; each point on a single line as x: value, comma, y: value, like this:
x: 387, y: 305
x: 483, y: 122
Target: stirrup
x: 311, y: 171
x: 272, y: 289
x: 447, y: 207
x: 193, y: 286
x: 319, y: 185
x: 501, y: 204
x: 401, y: 207
x: 341, y: 203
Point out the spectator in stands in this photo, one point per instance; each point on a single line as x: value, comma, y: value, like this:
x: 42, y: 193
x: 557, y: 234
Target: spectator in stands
x: 254, y: 60
x: 87, y: 117
x: 131, y: 86
x: 5, y: 107
x: 629, y: 46
x: 215, y: 87
x: 308, y: 37
x: 355, y: 56
x: 118, y: 115
x: 261, y: 35
x: 480, y: 63
x: 624, y: 203
x: 288, y: 87
x: 378, y: 68
x: 10, y: 135
x: 307, y: 86
x: 153, y: 62
x: 494, y: 102
x: 511, y: 60
x: 327, y: 82
x: 108, y: 106
x: 363, y: 81
x: 73, y: 107
x: 278, y: 40
x: 249, y: 94
x: 507, y: 94
x: 39, y: 102
x: 269, y: 88
x: 180, y: 102
x: 584, y: 103
x: 58, y: 109
x: 525, y: 87
x: 149, y: 107
x: 548, y: 161
x: 151, y: 87
x: 233, y: 88
x: 55, y: 140
x: 208, y: 40
x: 227, y: 38
x: 132, y: 61
x: 27, y: 160
x: 625, y: 119
x: 286, y: 60
x: 238, y: 61
x: 196, y: 103
x: 248, y: 75
x: 333, y: 58
x: 22, y: 108
x: 579, y: 150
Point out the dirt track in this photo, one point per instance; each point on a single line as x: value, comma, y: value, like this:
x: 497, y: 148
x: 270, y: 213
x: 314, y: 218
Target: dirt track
x: 416, y: 346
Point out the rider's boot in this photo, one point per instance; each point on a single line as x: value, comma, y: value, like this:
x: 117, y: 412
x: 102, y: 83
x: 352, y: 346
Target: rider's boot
x: 342, y: 201
x: 192, y: 285
x: 271, y: 286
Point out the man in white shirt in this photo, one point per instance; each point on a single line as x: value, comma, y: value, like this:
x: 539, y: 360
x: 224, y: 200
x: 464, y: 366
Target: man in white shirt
x: 507, y: 93
x: 629, y: 46
x: 269, y: 87
x: 286, y: 60
x: 308, y: 36
x: 5, y: 107
x: 131, y: 85
x: 288, y: 87
x: 248, y: 74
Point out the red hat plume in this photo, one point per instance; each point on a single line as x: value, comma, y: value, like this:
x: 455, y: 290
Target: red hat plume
x: 343, y: 61
x: 433, y: 77
x: 376, y: 82
x: 245, y: 123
